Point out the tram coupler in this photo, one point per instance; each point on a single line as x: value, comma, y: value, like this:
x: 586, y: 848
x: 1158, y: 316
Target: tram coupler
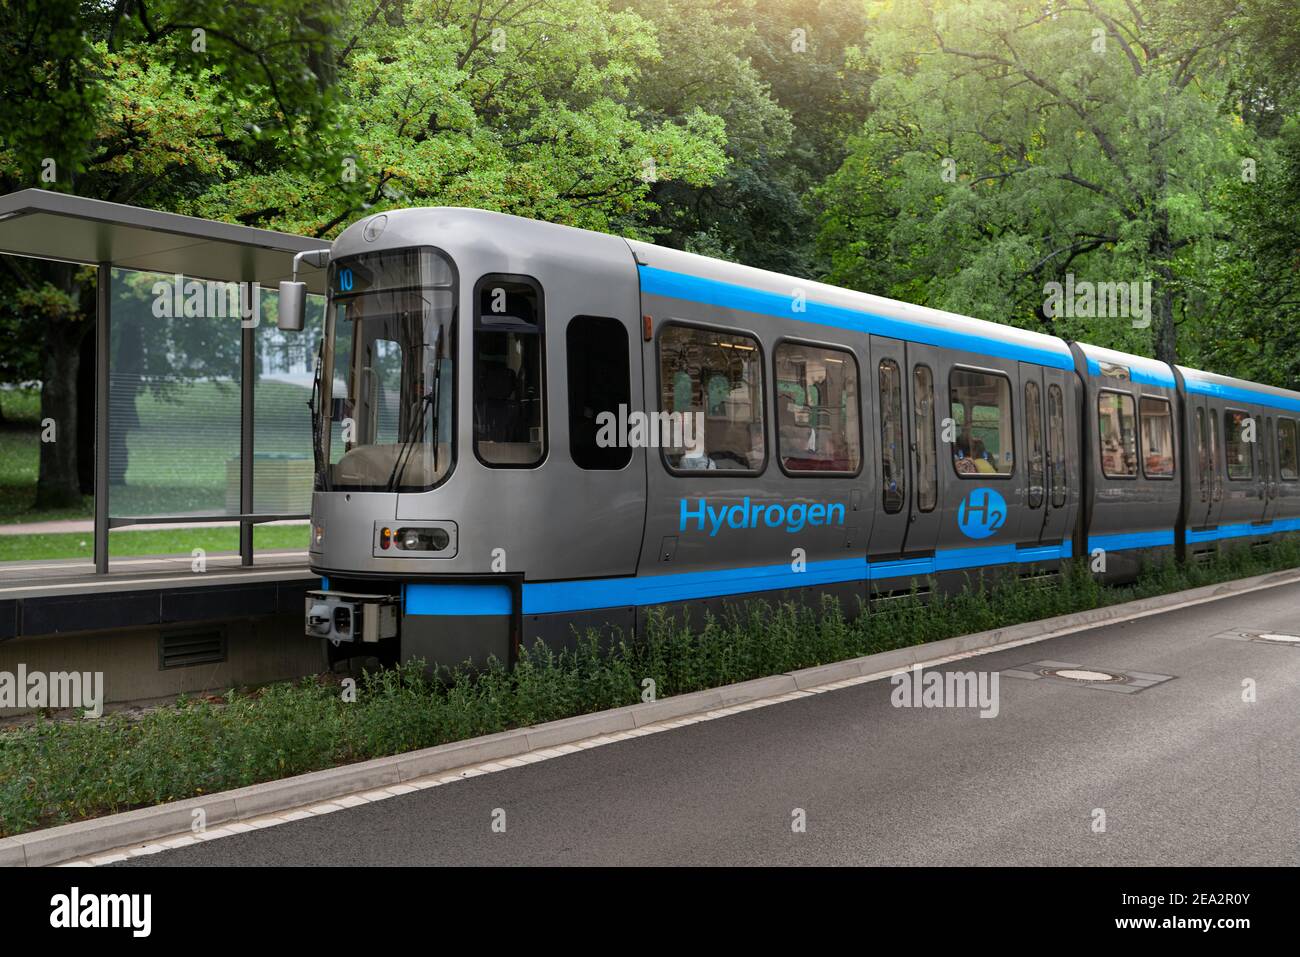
x: 347, y: 616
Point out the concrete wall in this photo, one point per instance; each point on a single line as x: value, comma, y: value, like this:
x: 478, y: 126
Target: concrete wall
x: 258, y: 650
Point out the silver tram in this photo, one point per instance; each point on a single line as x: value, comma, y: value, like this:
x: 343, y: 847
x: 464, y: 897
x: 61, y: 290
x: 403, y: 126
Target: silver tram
x: 525, y: 430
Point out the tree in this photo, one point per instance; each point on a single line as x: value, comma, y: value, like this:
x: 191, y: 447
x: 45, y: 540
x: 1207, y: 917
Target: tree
x: 142, y: 102
x: 524, y: 107
x: 20, y: 357
x: 775, y: 72
x: 1251, y: 294
x: 1014, y: 143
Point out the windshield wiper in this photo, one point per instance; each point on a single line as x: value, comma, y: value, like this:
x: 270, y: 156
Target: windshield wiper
x: 416, y: 428
x: 317, y: 450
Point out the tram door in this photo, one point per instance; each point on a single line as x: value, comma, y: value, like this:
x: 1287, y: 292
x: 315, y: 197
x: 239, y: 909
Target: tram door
x: 1033, y: 436
x: 1268, y: 465
x: 1207, y: 485
x: 1061, y: 446
x: 925, y: 385
x: 885, y: 389
x: 904, y: 387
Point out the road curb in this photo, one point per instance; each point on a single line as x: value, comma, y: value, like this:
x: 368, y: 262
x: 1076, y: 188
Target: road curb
x: 84, y: 838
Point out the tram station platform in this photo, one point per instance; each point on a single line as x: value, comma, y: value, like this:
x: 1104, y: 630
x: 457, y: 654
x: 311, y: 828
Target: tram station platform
x: 154, y: 627
x: 67, y: 596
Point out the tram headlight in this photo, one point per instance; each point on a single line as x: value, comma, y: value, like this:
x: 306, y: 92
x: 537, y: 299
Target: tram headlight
x: 422, y: 539
x: 414, y: 539
x: 317, y: 535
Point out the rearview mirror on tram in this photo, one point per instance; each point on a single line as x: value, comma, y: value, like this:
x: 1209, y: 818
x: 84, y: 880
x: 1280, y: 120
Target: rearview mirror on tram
x: 293, y: 306
x: 293, y: 294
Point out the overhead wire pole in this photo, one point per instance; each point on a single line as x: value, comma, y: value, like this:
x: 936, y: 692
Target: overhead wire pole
x: 103, y: 308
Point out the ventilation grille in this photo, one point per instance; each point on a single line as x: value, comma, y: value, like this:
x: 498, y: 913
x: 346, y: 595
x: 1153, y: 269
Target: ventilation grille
x: 181, y: 649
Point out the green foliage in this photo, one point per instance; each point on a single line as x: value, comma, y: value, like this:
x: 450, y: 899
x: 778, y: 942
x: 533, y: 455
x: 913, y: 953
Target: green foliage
x: 1099, y: 139
x: 525, y: 108
x: 774, y: 71
x: 1250, y: 293
x: 48, y: 86
x: 53, y: 772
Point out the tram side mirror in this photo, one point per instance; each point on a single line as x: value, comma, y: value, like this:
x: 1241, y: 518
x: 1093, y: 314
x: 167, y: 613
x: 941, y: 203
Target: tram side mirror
x: 293, y: 306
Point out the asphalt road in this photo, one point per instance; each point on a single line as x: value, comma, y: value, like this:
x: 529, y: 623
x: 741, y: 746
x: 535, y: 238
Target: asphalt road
x: 1186, y: 772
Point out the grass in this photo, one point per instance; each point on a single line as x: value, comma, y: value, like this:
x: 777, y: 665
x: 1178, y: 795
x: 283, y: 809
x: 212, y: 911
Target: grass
x: 20, y: 405
x: 53, y: 772
x: 125, y: 543
x: 19, y: 459
x: 178, y: 456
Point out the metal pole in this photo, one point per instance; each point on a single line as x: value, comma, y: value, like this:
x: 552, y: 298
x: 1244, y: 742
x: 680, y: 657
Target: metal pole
x: 248, y: 360
x: 103, y: 310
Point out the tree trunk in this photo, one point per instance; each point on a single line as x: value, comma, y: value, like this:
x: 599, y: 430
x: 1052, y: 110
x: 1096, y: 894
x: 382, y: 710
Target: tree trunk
x: 86, y: 416
x: 1162, y: 315
x: 57, y: 485
x: 1161, y: 247
x: 1162, y: 296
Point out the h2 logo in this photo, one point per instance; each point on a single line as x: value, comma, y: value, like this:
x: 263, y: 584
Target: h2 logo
x: 981, y: 513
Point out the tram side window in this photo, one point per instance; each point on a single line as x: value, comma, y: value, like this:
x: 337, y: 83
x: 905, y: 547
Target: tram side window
x: 508, y: 382
x: 600, y: 393
x: 1056, y: 443
x: 892, y: 452
x: 1034, y: 428
x: 817, y: 409
x: 1240, y: 464
x: 1288, y: 466
x: 981, y: 411
x: 1157, y: 438
x: 711, y: 384
x: 1116, y: 430
x: 927, y: 458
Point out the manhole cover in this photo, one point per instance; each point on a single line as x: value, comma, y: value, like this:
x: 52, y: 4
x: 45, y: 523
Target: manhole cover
x: 1080, y: 674
x: 1083, y: 676
x: 1267, y: 637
